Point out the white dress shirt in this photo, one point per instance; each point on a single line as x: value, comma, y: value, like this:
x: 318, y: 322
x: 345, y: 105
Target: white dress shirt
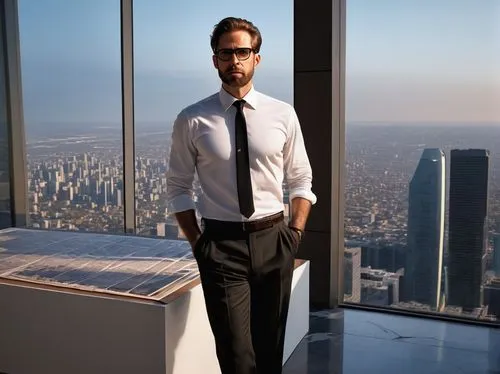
x: 203, y: 140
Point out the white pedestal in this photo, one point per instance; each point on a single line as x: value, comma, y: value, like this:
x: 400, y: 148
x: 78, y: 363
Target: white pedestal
x: 54, y: 330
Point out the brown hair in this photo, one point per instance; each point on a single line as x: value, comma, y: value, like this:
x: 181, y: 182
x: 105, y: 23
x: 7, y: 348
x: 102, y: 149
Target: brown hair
x: 236, y: 24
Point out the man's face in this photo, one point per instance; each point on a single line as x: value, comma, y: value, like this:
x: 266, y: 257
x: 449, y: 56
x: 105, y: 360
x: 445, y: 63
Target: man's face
x: 236, y: 72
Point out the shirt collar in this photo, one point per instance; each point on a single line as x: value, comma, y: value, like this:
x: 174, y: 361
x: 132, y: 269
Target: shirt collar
x: 227, y: 99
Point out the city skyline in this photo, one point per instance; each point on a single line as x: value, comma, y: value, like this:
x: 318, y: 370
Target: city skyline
x: 83, y: 195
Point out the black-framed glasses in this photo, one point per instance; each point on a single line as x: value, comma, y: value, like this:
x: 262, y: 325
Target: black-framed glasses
x: 226, y: 54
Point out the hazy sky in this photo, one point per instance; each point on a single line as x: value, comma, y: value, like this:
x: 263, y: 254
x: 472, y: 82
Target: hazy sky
x: 412, y: 60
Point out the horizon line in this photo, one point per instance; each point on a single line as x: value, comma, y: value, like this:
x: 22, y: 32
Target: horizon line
x: 354, y: 122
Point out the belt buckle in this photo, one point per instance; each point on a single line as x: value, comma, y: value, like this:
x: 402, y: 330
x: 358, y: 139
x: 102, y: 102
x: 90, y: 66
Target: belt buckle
x: 243, y: 226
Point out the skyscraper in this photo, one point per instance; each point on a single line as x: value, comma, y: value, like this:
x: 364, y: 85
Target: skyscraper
x: 352, y: 275
x: 424, y: 257
x: 496, y: 254
x: 492, y: 296
x: 467, y: 226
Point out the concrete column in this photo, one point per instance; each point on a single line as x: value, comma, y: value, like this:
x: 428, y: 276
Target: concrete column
x: 319, y: 65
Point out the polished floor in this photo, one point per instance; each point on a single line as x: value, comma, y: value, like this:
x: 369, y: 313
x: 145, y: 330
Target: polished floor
x: 353, y: 341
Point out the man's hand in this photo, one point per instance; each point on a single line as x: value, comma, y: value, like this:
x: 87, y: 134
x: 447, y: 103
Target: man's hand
x: 297, y: 233
x: 188, y: 224
x: 194, y: 242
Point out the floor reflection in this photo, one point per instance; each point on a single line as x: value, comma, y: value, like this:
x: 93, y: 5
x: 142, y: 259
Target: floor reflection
x: 353, y: 341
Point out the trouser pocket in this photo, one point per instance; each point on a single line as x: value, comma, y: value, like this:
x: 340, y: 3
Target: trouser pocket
x: 199, y: 247
x: 290, y: 238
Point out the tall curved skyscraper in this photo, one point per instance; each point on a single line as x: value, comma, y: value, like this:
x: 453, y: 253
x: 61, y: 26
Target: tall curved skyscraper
x: 426, y: 215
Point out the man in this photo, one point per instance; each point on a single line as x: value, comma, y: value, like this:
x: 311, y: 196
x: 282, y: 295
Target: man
x: 242, y: 144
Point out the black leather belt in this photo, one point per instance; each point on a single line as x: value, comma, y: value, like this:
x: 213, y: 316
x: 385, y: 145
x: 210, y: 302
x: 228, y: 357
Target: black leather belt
x: 248, y: 226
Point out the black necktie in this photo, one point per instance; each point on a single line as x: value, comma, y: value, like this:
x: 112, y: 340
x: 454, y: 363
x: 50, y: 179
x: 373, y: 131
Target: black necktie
x: 244, y: 182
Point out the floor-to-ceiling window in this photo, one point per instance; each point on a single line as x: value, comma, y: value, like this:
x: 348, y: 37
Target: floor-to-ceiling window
x: 71, y: 79
x: 70, y: 55
x: 422, y: 207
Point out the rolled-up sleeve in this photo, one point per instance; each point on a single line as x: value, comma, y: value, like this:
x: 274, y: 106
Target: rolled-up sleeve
x: 298, y: 172
x: 181, y: 167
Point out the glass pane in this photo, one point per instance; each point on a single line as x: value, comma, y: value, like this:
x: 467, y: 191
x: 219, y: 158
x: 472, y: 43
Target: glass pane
x: 5, y: 206
x: 173, y: 69
x: 70, y: 54
x: 423, y: 156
